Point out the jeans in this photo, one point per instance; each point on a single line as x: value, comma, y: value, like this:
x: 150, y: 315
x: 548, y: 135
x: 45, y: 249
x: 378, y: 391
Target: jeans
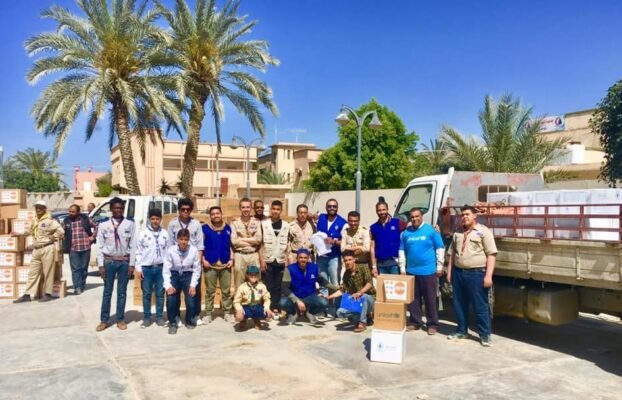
x: 425, y: 294
x: 368, y: 307
x: 468, y: 287
x: 79, y: 261
x: 389, y: 269
x: 314, y: 303
x: 118, y: 270
x: 152, y: 280
x: 273, y: 278
x: 330, y: 269
x: 181, y: 282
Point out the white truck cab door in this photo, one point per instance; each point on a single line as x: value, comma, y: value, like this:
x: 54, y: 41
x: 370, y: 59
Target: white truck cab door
x: 421, y: 195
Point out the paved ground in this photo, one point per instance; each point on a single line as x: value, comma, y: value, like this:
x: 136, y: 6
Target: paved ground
x: 52, y: 349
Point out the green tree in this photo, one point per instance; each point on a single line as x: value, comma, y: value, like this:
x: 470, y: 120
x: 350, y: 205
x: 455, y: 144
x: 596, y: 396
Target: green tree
x: 607, y: 123
x: 107, y: 58
x: 165, y: 187
x: 104, y: 185
x: 271, y: 178
x: 433, y: 159
x: 386, y: 155
x: 510, y: 141
x: 34, y: 171
x: 215, y: 64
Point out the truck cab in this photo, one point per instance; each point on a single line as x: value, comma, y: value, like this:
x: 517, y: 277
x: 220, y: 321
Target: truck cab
x: 137, y: 208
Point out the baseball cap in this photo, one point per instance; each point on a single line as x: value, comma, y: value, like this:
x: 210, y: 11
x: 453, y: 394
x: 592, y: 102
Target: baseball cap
x: 252, y: 269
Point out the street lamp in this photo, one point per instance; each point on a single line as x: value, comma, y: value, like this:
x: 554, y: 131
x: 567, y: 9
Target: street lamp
x: 342, y: 119
x: 235, y: 143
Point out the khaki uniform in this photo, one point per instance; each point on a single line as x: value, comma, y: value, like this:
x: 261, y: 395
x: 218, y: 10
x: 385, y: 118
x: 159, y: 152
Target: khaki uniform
x: 298, y: 238
x: 249, y: 295
x: 360, y: 238
x: 470, y: 249
x: 245, y: 240
x: 46, y: 234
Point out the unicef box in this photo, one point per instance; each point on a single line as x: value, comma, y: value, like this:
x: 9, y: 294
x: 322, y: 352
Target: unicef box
x: 395, y: 288
x: 388, y: 346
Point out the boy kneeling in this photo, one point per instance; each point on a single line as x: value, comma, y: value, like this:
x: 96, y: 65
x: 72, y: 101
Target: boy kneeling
x: 252, y: 300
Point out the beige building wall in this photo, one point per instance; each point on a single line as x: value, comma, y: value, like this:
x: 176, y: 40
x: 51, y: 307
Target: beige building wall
x: 165, y: 160
x: 292, y: 160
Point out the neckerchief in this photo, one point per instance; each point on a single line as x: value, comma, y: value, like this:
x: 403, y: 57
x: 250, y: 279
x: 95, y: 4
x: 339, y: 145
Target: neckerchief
x: 117, y: 238
x: 183, y: 255
x: 465, y: 236
x: 156, y: 237
x: 35, y: 227
x: 182, y: 224
x: 252, y: 293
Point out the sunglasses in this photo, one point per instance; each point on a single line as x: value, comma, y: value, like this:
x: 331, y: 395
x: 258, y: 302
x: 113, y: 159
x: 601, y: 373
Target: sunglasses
x: 185, y: 209
x: 331, y: 206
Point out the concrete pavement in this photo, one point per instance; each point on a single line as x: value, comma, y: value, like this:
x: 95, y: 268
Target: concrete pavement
x: 52, y: 349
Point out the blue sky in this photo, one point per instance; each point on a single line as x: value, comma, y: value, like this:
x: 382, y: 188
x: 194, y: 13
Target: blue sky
x: 431, y: 62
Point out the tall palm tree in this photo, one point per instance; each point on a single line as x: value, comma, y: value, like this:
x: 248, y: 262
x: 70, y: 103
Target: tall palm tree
x: 107, y: 58
x: 437, y: 156
x: 215, y: 64
x: 36, y: 163
x: 510, y: 140
x: 271, y: 178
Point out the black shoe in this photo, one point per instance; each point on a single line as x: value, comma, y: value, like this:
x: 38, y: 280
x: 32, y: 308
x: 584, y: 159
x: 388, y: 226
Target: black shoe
x: 160, y: 322
x: 172, y: 329
x: 46, y: 297
x: 24, y: 299
x: 77, y: 291
x: 146, y: 323
x: 191, y: 326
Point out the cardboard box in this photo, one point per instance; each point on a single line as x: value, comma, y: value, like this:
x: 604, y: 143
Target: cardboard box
x: 20, y: 290
x: 27, y: 258
x: 10, y: 243
x: 4, y: 226
x: 27, y: 214
x: 388, y: 346
x: 21, y: 226
x: 10, y: 259
x: 60, y: 289
x: 7, y: 290
x: 10, y: 211
x: 395, y: 288
x: 13, y: 196
x: 389, y: 316
x: 21, y: 274
x: 7, y: 274
x: 29, y: 241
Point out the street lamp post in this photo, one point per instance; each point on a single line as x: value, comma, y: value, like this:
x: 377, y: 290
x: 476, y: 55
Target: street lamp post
x: 247, y: 146
x: 342, y: 119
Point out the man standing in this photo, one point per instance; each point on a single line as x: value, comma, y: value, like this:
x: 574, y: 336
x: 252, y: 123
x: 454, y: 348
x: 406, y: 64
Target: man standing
x: 46, y: 231
x: 331, y: 224
x: 245, y: 240
x: 151, y: 245
x: 258, y: 207
x: 217, y: 262
x: 472, y: 257
x: 301, y: 295
x: 422, y: 254
x: 357, y: 284
x: 385, y: 242
x: 90, y: 207
x: 115, y: 258
x: 80, y: 232
x: 185, y: 221
x: 300, y: 232
x: 273, y: 253
x: 356, y: 239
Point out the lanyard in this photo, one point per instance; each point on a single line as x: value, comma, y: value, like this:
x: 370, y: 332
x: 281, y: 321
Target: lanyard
x: 117, y: 238
x: 182, y: 255
x: 157, y: 242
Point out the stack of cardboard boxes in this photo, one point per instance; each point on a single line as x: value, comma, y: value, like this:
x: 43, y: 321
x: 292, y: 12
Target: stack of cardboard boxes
x: 15, y: 251
x: 388, y: 338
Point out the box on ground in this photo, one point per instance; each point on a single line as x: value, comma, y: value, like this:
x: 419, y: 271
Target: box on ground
x: 10, y: 259
x: 389, y: 316
x: 21, y: 274
x: 11, y: 243
x: 26, y: 214
x: 13, y: 196
x: 21, y: 226
x: 60, y: 289
x: 7, y: 290
x: 20, y: 290
x: 7, y: 274
x: 395, y: 288
x: 388, y: 346
x: 4, y: 226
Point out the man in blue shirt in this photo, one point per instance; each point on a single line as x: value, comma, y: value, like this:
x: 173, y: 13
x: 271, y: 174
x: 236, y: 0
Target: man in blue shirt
x: 385, y: 241
x: 301, y: 295
x: 331, y: 224
x: 422, y: 254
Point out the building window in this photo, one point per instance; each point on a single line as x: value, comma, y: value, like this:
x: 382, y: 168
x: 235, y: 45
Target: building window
x: 172, y: 163
x: 202, y: 164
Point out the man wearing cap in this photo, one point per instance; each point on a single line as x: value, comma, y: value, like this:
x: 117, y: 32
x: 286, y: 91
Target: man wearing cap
x: 252, y: 299
x: 246, y: 238
x: 46, y: 232
x: 80, y: 233
x: 301, y: 296
x: 115, y: 258
x: 151, y: 245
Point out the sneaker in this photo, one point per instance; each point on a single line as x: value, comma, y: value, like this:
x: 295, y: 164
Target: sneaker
x: 45, y: 298
x: 172, y: 329
x: 24, y: 299
x: 77, y: 291
x: 360, y: 327
x: 101, y: 327
x: 146, y: 323
x: 485, y: 341
x: 412, y: 327
x: 121, y: 325
x: 197, y: 321
x: 276, y: 314
x: 191, y: 326
x: 457, y: 335
x: 179, y: 324
x: 291, y: 319
x: 160, y: 322
x: 312, y: 318
x: 431, y: 331
x: 206, y: 320
x: 229, y: 318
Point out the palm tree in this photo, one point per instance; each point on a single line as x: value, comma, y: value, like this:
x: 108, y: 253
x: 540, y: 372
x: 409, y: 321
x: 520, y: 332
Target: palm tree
x: 510, y: 140
x: 36, y: 163
x: 436, y: 156
x: 165, y: 187
x: 214, y: 64
x: 271, y: 178
x: 107, y: 58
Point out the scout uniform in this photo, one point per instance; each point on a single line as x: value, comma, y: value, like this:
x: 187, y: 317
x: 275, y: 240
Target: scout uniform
x: 150, y: 251
x: 246, y: 237
x: 182, y: 270
x: 253, y: 300
x: 360, y: 238
x: 299, y: 238
x: 46, y: 232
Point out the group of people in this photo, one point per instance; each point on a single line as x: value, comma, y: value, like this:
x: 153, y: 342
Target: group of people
x: 249, y: 256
